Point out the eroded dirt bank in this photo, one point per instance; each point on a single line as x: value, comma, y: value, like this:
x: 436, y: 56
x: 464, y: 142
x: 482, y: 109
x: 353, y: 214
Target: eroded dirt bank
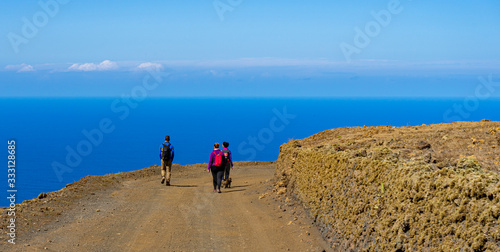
x: 399, y: 189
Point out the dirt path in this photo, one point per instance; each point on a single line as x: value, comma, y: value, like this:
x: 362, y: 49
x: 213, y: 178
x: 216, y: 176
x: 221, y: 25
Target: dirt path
x: 143, y: 215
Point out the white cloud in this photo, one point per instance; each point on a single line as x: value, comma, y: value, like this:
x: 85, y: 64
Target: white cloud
x: 20, y: 68
x: 150, y: 66
x: 86, y: 67
x: 27, y: 68
x: 107, y: 65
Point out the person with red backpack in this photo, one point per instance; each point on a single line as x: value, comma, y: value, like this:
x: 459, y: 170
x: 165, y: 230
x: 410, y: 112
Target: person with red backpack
x: 216, y: 165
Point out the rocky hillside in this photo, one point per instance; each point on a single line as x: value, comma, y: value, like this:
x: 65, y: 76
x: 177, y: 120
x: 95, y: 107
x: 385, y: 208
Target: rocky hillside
x: 384, y: 188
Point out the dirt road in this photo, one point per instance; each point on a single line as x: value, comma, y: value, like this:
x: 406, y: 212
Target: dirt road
x: 144, y: 215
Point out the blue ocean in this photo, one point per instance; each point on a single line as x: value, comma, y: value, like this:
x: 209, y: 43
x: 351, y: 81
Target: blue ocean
x: 60, y: 140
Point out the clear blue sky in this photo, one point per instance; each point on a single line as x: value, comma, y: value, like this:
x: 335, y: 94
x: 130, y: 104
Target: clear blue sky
x: 101, y: 48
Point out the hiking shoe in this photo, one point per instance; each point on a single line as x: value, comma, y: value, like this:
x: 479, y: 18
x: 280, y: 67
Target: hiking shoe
x: 219, y: 191
x: 163, y: 180
x: 168, y: 183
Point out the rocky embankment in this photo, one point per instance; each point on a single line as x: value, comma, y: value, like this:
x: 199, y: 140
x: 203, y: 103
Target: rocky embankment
x: 399, y: 188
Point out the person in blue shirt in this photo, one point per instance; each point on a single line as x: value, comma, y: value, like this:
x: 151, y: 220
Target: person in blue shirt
x: 166, y: 156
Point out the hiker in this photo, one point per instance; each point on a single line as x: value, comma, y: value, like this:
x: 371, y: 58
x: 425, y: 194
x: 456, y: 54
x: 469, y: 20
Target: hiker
x: 216, y: 166
x: 229, y: 159
x: 166, y: 156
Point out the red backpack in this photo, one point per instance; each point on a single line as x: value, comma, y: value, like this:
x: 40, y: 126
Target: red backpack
x: 218, y: 159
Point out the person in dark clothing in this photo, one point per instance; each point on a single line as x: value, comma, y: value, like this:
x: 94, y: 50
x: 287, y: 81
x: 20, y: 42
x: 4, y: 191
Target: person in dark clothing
x: 216, y: 166
x: 229, y: 159
x: 166, y: 156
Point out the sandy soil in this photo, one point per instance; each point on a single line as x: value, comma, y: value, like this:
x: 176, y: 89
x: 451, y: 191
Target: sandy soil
x: 140, y: 214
